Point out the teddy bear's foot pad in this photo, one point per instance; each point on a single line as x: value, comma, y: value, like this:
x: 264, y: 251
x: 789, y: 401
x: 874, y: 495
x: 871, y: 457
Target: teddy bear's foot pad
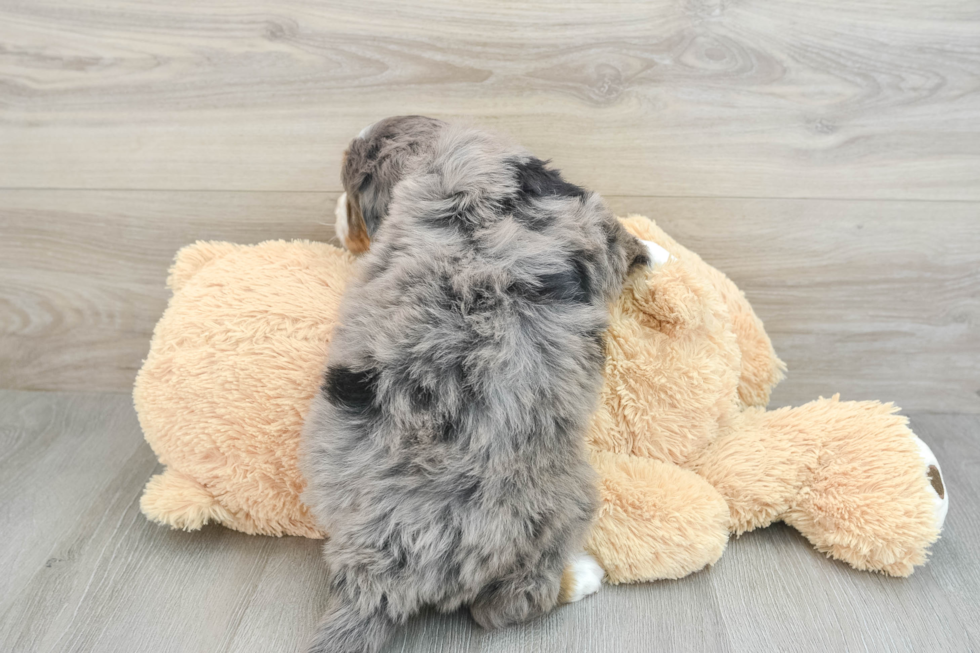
x: 583, y: 576
x: 937, y: 485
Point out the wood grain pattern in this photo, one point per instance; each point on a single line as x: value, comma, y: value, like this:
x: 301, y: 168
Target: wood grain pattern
x: 82, y: 570
x: 824, y: 153
x: 83, y: 274
x: 669, y: 97
x: 876, y: 300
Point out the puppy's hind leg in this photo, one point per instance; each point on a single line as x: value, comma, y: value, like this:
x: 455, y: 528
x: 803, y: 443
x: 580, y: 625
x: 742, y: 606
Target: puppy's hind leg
x: 582, y: 577
x: 346, y: 629
x: 359, y: 617
x: 525, y: 594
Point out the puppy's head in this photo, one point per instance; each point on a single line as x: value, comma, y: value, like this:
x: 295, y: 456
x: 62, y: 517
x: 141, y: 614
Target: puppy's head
x: 373, y: 164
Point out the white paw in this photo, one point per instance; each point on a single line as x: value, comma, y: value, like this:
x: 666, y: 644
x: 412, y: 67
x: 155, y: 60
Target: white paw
x: 588, y: 577
x: 658, y: 255
x: 340, y: 224
x: 936, y: 481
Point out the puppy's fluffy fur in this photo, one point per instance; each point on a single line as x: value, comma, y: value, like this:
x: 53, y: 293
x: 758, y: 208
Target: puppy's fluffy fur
x: 445, y: 453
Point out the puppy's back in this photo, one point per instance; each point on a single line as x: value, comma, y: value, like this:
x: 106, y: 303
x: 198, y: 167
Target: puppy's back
x: 445, y: 451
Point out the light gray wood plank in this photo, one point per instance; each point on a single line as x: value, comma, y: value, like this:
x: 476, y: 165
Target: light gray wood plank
x: 84, y: 571
x: 286, y: 602
x: 668, y: 616
x: 82, y: 275
x: 59, y: 457
x: 117, y: 582
x: 804, y: 99
x: 872, y: 299
x: 780, y: 594
x: 955, y: 439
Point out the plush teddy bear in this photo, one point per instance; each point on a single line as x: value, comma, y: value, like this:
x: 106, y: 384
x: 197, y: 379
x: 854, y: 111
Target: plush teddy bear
x: 685, y: 451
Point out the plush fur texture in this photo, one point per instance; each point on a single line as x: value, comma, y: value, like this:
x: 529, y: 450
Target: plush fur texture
x: 445, y: 454
x: 681, y: 461
x: 246, y: 327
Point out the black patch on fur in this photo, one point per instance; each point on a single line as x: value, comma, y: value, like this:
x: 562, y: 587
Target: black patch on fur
x: 566, y: 287
x: 532, y: 220
x: 571, y: 286
x: 584, y: 278
x: 354, y: 391
x: 537, y: 180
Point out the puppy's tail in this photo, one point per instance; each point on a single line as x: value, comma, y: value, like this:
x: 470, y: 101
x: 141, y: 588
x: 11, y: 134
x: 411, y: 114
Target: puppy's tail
x: 345, y: 629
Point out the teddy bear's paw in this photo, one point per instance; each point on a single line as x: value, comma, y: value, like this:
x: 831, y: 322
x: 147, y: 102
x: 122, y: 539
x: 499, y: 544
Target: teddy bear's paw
x: 583, y: 576
x: 657, y: 254
x: 936, y: 484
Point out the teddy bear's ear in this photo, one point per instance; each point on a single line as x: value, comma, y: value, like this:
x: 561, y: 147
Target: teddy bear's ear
x: 672, y: 297
x: 190, y: 259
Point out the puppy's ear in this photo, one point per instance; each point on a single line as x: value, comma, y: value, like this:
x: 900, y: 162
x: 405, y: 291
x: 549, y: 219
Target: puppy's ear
x: 372, y: 203
x: 356, y: 239
x: 366, y: 198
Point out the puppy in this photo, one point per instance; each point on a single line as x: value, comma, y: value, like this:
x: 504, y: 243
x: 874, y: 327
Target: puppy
x: 445, y: 452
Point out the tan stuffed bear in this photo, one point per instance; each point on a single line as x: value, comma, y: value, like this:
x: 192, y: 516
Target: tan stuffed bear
x: 685, y: 451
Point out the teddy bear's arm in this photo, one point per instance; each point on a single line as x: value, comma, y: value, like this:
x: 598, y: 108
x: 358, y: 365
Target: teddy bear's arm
x: 656, y: 520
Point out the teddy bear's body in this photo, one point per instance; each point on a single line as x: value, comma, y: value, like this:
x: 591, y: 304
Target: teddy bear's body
x: 685, y: 450
x: 682, y: 427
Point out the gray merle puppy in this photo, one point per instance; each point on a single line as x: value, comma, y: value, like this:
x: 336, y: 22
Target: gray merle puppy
x: 445, y: 453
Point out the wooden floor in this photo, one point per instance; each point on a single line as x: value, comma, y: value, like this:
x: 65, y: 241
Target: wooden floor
x: 824, y: 153
x: 82, y: 570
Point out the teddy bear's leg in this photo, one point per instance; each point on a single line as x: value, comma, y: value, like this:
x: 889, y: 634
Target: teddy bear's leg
x: 656, y: 520
x: 178, y: 501
x: 850, y: 476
